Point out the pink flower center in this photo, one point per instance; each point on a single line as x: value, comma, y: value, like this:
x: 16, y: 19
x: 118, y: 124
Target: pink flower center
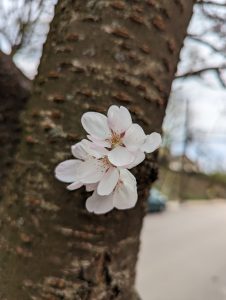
x: 116, y: 140
x: 105, y: 162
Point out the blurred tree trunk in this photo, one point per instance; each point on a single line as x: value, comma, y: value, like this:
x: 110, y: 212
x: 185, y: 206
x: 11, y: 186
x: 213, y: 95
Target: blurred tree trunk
x: 97, y: 53
x: 14, y: 92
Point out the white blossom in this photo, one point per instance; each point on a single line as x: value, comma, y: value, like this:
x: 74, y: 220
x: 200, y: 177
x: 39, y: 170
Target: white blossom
x: 119, y: 134
x: 91, y: 167
x: 124, y: 195
x: 101, y: 163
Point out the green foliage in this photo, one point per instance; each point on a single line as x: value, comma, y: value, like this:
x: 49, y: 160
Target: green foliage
x: 218, y: 177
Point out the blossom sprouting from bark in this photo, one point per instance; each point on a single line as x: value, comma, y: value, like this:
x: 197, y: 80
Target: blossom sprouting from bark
x: 102, y: 163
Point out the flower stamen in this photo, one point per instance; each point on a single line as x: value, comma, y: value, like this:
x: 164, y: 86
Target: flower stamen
x: 105, y: 161
x: 116, y: 140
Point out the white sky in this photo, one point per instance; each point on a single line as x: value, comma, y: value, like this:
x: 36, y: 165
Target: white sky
x: 207, y: 122
x: 206, y: 96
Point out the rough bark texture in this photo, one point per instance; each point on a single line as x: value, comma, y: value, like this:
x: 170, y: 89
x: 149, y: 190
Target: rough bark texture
x: 97, y: 53
x: 14, y: 91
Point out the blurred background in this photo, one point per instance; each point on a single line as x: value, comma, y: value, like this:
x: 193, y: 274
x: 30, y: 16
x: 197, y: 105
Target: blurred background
x: 193, y: 154
x: 183, y: 251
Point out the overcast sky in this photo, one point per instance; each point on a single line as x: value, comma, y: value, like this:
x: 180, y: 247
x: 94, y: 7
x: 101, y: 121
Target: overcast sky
x: 206, y: 97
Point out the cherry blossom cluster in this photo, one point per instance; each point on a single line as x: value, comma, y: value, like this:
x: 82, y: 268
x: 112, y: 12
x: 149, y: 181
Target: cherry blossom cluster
x: 102, y: 162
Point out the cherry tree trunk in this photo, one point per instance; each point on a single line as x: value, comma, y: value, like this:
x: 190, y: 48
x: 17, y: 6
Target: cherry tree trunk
x: 14, y: 92
x: 97, y: 53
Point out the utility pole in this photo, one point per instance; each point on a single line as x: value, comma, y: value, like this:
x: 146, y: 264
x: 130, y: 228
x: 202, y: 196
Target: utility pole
x: 187, y: 138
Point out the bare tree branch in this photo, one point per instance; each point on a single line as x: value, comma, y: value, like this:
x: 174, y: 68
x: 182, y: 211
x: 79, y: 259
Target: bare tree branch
x: 205, y: 43
x: 202, y: 2
x: 19, y: 22
x: 217, y: 71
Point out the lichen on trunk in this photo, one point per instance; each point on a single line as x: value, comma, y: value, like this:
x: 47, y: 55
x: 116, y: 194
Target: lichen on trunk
x: 97, y: 53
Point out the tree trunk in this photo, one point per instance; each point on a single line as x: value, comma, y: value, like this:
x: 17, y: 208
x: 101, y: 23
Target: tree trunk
x: 14, y: 92
x: 97, y: 53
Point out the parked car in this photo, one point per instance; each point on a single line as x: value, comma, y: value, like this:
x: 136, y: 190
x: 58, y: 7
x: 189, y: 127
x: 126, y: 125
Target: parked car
x: 156, y: 201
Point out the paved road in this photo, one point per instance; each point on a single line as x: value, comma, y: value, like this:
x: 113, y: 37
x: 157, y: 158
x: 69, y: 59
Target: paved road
x: 183, y: 254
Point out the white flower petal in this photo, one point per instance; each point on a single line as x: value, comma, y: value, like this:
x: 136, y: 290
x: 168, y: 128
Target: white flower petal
x: 119, y: 118
x: 91, y: 187
x: 91, y: 149
x: 67, y: 171
x: 134, y: 137
x: 96, y: 125
x: 120, y: 156
x: 74, y: 186
x: 91, y: 171
x: 152, y: 142
x: 139, y: 157
x: 108, y: 182
x: 98, y: 151
x: 99, y: 204
x: 99, y: 142
x: 79, y: 150
x: 125, y: 194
